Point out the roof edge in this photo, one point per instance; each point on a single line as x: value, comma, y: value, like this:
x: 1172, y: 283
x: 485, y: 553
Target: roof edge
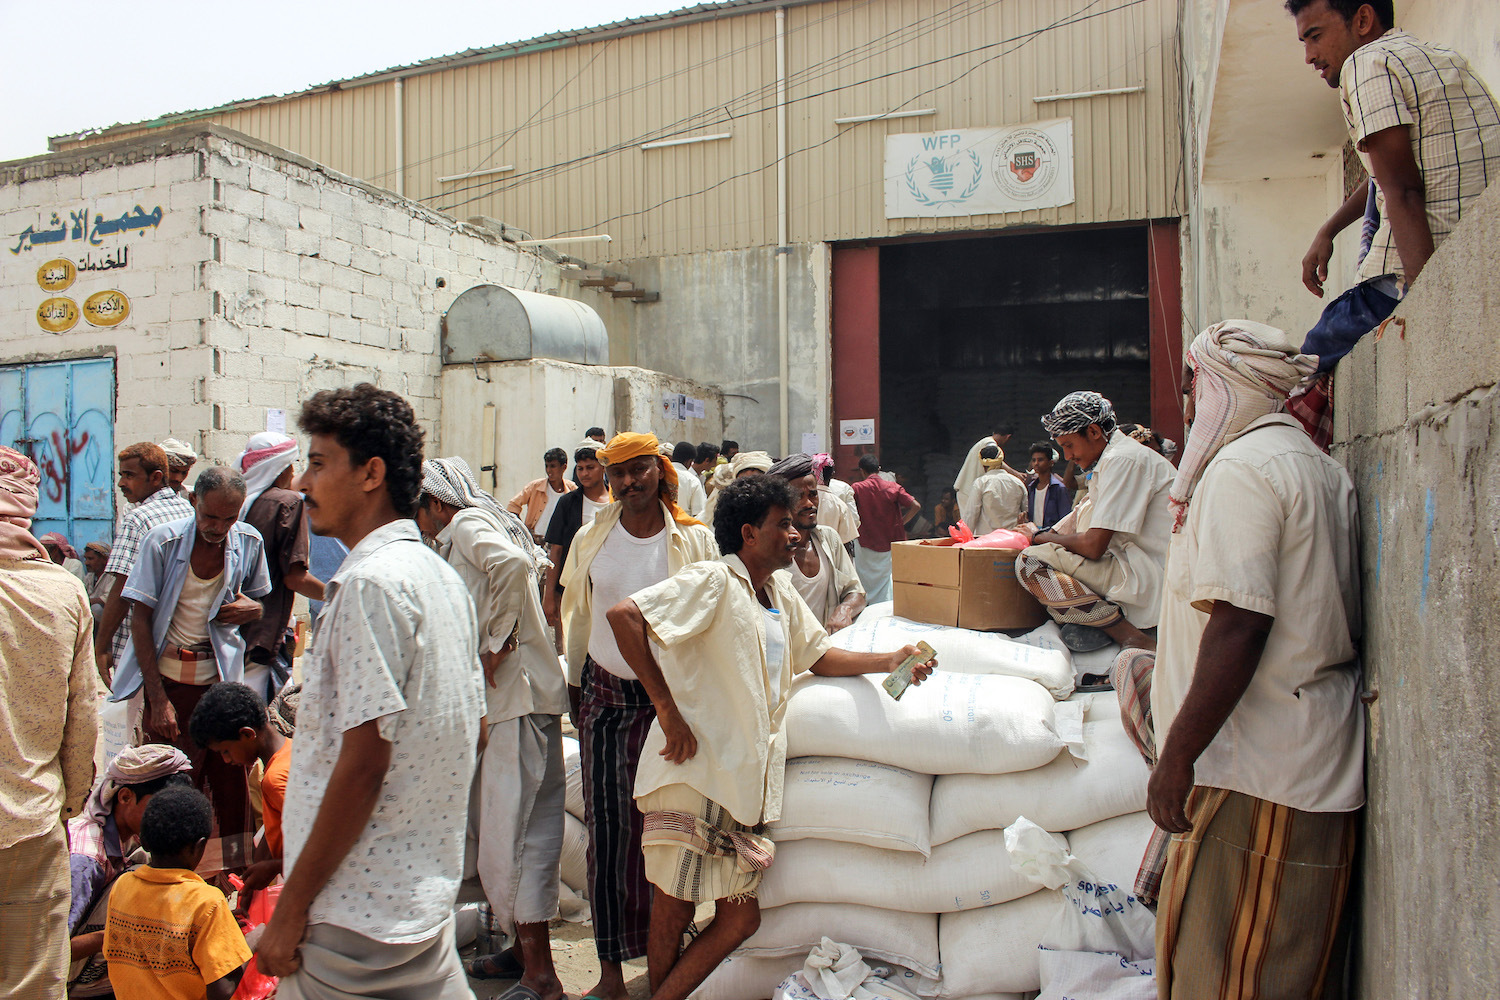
x: 470, y: 57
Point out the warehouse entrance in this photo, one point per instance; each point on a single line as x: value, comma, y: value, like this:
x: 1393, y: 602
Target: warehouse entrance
x: 941, y: 339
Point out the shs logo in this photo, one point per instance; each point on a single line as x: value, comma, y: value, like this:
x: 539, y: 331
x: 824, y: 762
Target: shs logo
x: 1025, y: 164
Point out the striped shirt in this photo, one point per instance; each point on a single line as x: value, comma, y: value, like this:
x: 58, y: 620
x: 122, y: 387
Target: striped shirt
x: 161, y: 507
x: 1455, y: 129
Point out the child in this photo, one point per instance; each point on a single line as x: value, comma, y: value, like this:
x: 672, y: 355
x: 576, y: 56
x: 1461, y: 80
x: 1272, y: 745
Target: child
x: 169, y: 934
x: 231, y: 721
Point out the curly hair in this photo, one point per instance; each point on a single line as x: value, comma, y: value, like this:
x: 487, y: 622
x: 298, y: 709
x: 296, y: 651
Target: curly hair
x: 223, y: 711
x: 175, y: 819
x: 747, y: 501
x: 369, y: 422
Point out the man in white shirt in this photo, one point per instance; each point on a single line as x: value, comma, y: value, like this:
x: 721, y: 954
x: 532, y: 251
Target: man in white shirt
x: 691, y: 496
x: 378, y: 791
x: 973, y: 467
x: 711, y: 773
x: 636, y: 542
x: 997, y: 498
x: 516, y: 811
x: 1256, y: 683
x: 822, y: 570
x: 1100, y: 569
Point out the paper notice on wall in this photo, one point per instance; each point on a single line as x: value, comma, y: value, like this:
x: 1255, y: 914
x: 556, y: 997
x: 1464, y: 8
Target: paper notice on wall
x: 697, y: 409
x: 812, y: 443
x: 853, y: 432
x: 672, y: 405
x: 276, y: 421
x: 979, y: 171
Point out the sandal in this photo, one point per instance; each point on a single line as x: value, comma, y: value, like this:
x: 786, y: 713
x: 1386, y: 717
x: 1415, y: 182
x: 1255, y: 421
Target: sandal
x: 503, y: 965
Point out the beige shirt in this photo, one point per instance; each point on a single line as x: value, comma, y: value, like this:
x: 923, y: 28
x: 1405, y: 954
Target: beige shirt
x: 686, y: 543
x: 972, y: 469
x: 49, y: 698
x: 497, y: 574
x: 534, y: 498
x: 691, y: 496
x: 836, y: 578
x: 836, y: 510
x: 1128, y: 495
x: 712, y: 631
x: 997, y: 500
x: 1452, y: 120
x: 1273, y: 529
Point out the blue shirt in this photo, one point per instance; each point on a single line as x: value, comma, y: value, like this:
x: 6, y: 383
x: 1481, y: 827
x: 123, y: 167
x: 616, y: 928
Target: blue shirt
x: 157, y: 579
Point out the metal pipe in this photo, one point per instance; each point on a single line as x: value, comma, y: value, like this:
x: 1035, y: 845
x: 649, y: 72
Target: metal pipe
x: 664, y: 143
x: 599, y: 238
x: 781, y: 232
x: 854, y: 119
x: 476, y: 173
x: 400, y: 138
x: 1088, y: 93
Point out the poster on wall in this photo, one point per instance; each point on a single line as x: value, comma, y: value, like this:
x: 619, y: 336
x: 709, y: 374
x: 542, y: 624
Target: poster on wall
x: 979, y: 171
x: 853, y: 432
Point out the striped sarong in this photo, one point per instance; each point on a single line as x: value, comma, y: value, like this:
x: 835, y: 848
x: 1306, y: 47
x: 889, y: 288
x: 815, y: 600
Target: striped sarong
x: 1131, y: 676
x: 696, y: 851
x: 1251, y: 898
x: 614, y: 717
x: 1067, y: 600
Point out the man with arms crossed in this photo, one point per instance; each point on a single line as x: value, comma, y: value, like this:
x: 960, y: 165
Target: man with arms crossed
x: 711, y: 772
x: 378, y: 791
x: 639, y: 540
x: 1261, y: 775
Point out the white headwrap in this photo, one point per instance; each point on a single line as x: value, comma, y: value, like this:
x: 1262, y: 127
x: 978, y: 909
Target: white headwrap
x: 133, y: 766
x: 266, y: 456
x: 179, y: 453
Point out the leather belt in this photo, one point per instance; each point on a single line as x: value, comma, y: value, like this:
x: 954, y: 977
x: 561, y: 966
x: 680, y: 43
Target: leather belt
x: 186, y: 654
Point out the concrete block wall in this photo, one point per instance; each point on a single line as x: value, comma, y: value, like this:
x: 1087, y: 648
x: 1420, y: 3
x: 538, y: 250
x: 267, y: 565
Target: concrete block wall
x: 317, y: 280
x: 1418, y: 426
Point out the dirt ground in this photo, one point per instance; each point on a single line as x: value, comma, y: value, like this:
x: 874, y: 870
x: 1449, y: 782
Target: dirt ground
x: 576, y: 961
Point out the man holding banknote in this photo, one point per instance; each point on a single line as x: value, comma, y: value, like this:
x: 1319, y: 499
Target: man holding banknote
x: 711, y: 773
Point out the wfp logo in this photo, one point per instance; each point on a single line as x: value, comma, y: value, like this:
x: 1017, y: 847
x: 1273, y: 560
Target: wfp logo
x: 933, y: 179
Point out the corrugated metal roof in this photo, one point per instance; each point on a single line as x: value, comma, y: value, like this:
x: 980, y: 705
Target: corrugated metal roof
x: 556, y: 39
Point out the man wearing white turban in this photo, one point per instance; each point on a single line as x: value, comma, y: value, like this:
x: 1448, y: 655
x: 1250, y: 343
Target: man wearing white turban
x: 1256, y: 684
x: 180, y: 461
x: 275, y: 510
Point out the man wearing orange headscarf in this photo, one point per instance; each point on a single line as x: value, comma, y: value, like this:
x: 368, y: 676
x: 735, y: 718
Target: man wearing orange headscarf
x: 49, y: 721
x: 636, y: 542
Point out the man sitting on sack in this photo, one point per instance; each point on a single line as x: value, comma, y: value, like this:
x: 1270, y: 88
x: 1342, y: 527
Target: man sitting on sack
x: 1099, y: 572
x: 707, y: 803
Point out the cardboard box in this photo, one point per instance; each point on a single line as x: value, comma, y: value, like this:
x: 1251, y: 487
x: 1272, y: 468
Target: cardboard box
x: 935, y: 582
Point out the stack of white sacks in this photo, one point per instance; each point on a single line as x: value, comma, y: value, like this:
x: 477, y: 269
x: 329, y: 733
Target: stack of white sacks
x: 891, y: 837
x: 574, y: 890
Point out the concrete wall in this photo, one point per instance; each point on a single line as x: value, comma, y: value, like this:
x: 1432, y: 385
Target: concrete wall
x: 267, y: 279
x: 717, y: 323
x: 1418, y: 426
x: 507, y: 414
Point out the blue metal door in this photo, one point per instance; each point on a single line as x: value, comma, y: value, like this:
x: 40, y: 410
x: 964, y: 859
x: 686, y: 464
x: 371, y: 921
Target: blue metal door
x: 61, y: 413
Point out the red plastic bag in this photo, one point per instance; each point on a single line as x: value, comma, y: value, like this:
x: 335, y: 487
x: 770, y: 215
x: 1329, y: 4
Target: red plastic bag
x: 1000, y: 538
x: 253, y: 984
x: 961, y: 534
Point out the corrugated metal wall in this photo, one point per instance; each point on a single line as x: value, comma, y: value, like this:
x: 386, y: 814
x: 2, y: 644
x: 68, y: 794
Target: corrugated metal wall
x: 570, y: 120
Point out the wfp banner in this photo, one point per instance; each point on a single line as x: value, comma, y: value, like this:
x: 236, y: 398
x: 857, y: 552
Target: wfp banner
x: 979, y: 171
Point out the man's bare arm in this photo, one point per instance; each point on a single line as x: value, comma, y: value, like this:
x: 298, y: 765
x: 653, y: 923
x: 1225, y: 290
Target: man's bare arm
x: 848, y: 610
x: 1315, y: 261
x: 1228, y: 655
x: 299, y: 579
x: 348, y: 802
x: 1091, y: 544
x: 1405, y: 191
x: 115, y: 610
x: 629, y: 626
x: 847, y: 663
x: 161, y: 717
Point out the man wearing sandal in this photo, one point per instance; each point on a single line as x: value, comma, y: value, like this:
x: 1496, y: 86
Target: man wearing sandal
x: 710, y: 776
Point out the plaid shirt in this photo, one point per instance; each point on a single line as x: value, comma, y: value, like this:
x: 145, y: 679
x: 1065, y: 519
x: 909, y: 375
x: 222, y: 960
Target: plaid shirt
x: 161, y: 507
x: 1454, y: 123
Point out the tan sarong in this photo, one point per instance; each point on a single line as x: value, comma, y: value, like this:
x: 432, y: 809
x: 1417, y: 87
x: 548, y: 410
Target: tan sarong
x: 1251, y: 899
x: 338, y: 964
x: 695, y: 851
x: 34, y: 895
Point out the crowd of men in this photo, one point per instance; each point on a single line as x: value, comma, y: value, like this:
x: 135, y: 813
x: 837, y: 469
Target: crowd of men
x: 686, y: 589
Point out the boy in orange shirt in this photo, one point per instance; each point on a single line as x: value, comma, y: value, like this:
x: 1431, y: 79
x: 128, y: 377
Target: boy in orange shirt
x: 231, y: 720
x: 170, y: 935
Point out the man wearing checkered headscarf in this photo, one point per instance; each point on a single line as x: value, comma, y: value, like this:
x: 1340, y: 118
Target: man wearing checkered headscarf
x: 1099, y: 571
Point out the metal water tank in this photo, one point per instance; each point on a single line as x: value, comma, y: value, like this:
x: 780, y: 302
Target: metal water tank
x: 495, y: 323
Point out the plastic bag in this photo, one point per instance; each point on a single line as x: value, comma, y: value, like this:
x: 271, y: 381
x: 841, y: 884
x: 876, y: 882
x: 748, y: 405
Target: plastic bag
x: 1096, y: 916
x: 1000, y: 538
x: 961, y: 533
x: 1067, y: 975
x: 838, y: 972
x: 254, y: 985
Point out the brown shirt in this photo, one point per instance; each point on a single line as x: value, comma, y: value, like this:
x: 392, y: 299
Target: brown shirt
x: 278, y: 516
